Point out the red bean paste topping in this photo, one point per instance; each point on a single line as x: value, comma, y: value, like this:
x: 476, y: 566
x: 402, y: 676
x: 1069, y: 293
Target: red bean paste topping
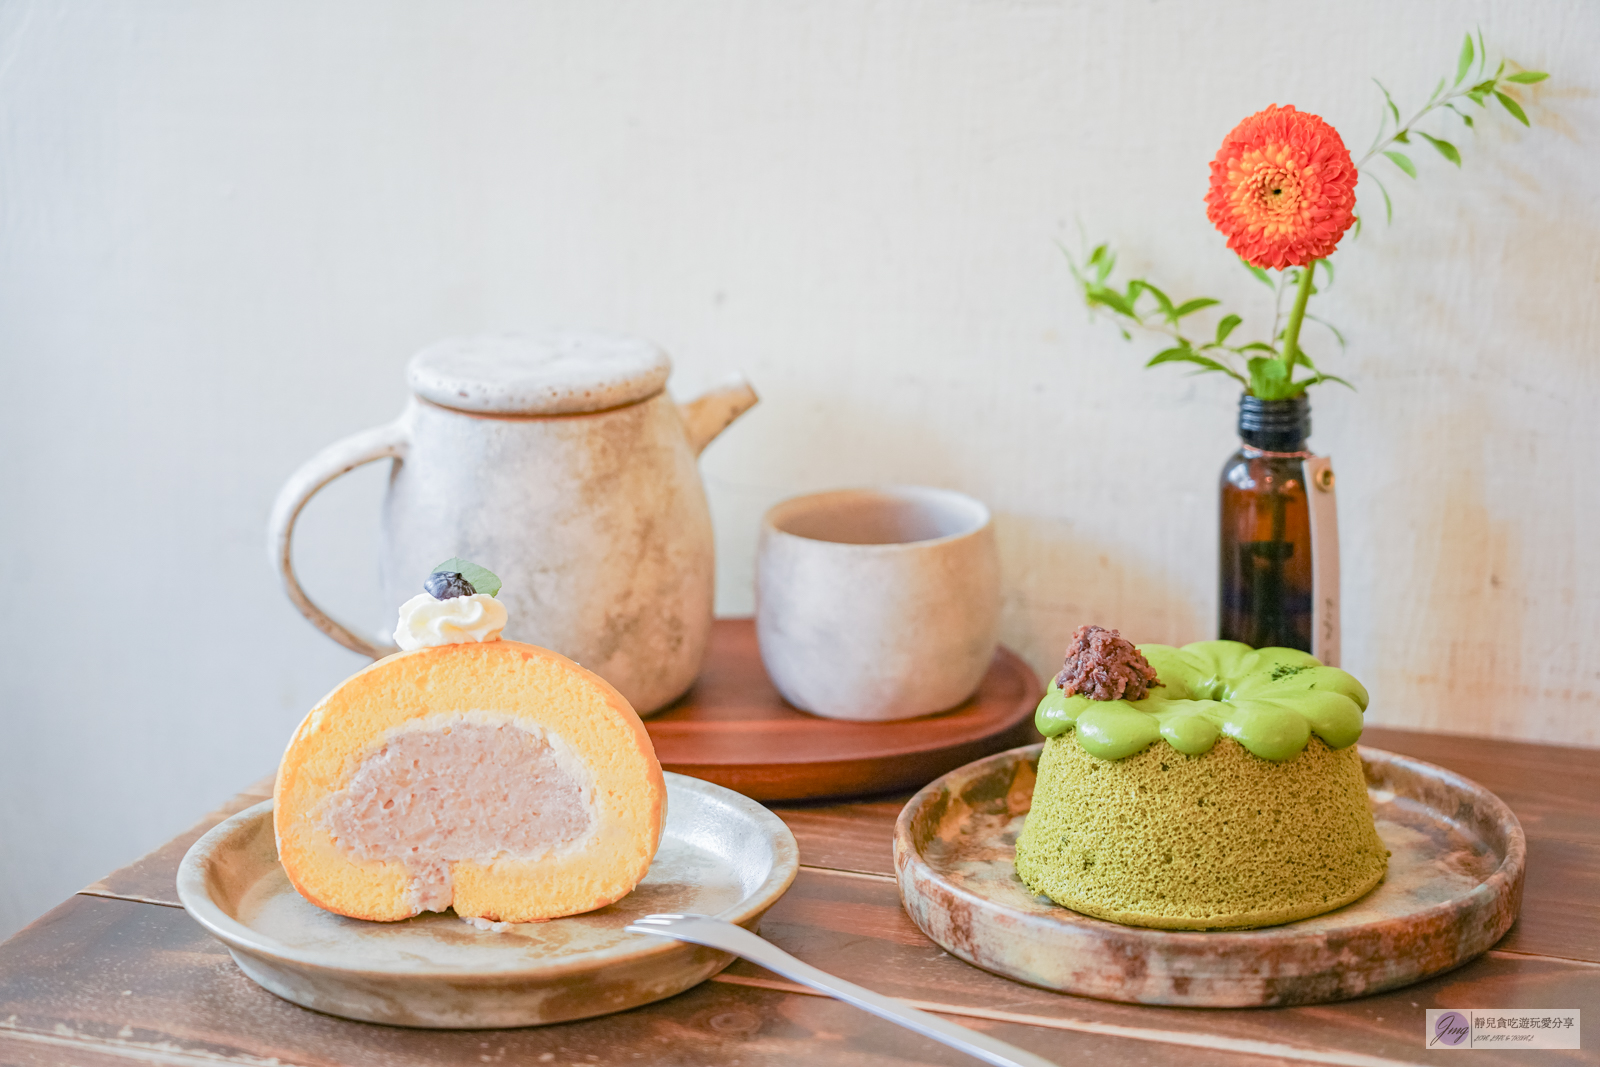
x: 1102, y: 666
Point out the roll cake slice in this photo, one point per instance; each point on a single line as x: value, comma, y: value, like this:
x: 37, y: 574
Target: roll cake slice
x: 491, y: 776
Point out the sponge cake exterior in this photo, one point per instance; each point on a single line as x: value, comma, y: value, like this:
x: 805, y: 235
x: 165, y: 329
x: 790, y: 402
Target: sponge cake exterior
x: 530, y: 699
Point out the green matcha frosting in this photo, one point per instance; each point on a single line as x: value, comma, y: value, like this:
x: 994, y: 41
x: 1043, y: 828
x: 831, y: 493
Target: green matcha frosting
x: 1270, y: 700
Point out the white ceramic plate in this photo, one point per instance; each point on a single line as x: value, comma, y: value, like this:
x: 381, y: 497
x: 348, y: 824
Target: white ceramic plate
x: 721, y: 854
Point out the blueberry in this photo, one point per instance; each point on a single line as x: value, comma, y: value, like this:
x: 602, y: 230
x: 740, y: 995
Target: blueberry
x: 444, y: 585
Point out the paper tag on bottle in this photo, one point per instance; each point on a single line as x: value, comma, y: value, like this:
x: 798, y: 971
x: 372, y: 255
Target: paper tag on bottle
x: 1324, y: 559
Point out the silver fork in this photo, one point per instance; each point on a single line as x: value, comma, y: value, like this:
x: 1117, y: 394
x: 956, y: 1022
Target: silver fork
x: 714, y: 933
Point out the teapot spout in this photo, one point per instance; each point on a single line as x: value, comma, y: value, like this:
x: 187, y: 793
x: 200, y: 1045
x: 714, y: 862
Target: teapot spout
x: 711, y: 413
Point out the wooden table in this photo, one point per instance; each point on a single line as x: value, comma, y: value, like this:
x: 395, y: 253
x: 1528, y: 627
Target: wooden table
x: 119, y: 974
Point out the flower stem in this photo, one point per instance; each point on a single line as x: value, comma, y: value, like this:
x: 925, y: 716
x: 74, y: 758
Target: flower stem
x: 1297, y: 314
x: 1403, y: 131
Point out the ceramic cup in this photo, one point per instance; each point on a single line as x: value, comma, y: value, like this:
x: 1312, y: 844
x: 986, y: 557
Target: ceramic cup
x: 877, y: 604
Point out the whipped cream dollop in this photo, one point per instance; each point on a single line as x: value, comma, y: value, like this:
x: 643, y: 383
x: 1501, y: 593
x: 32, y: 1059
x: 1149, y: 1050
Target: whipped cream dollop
x: 426, y: 622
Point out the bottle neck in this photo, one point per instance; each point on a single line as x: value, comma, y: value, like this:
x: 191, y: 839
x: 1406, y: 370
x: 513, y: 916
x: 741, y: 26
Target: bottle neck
x: 1275, y: 425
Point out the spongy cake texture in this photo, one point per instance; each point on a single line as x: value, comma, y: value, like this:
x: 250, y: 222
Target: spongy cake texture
x: 531, y: 689
x: 1223, y: 839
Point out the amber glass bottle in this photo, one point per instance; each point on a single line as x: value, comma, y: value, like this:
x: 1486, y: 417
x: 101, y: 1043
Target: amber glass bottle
x: 1265, y: 571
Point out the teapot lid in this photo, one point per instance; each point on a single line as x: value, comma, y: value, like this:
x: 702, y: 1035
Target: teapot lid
x: 548, y: 374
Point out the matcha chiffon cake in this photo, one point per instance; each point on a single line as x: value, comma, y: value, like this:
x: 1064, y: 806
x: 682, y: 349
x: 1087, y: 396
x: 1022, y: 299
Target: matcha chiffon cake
x: 1211, y: 786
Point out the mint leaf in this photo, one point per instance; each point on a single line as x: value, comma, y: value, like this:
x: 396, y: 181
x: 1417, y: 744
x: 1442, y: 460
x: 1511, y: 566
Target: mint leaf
x: 1328, y: 326
x: 1512, y: 106
x: 1388, y: 206
x: 1401, y: 160
x: 1446, y: 149
x: 1162, y: 299
x: 1261, y: 275
x: 482, y: 578
x: 1188, y: 355
x: 1226, y: 326
x: 1464, y: 64
x: 1102, y: 259
x: 1104, y: 295
x: 1388, y: 100
x: 1269, y: 379
x: 1189, y: 307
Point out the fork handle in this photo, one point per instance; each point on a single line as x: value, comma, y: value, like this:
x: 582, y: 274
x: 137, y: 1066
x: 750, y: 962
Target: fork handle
x: 759, y: 950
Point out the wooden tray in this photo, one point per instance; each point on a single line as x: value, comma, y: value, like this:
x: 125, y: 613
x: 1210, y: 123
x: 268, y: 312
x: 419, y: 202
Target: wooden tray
x: 735, y: 730
x: 1453, y: 889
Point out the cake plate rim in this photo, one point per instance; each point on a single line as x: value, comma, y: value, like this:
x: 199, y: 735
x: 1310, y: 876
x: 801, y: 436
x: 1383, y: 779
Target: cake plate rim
x: 1214, y: 968
x: 639, y: 970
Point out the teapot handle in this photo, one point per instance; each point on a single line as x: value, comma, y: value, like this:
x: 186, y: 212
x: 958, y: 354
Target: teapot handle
x: 341, y: 457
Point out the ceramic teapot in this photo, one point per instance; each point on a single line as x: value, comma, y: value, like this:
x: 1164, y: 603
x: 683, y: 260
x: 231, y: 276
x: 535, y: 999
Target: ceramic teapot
x: 561, y: 464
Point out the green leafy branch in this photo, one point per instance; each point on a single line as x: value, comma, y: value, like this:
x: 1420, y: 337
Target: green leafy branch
x: 1256, y: 365
x: 1267, y: 369
x: 1472, y: 85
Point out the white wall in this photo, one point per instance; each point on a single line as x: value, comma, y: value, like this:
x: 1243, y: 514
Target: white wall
x: 224, y: 228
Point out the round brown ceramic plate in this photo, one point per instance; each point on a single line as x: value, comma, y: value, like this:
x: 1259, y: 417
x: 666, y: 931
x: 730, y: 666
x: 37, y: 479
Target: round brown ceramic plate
x: 721, y: 854
x: 1453, y: 889
x: 734, y: 729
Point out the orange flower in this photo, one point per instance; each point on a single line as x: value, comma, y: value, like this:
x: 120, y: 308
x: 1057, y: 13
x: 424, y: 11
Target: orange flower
x: 1283, y: 188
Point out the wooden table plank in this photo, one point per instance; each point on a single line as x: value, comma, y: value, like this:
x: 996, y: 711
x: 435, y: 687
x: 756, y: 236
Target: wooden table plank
x: 854, y: 926
x: 1554, y: 791
x: 153, y: 877
x: 187, y: 1003
x: 106, y: 981
x: 1563, y: 772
